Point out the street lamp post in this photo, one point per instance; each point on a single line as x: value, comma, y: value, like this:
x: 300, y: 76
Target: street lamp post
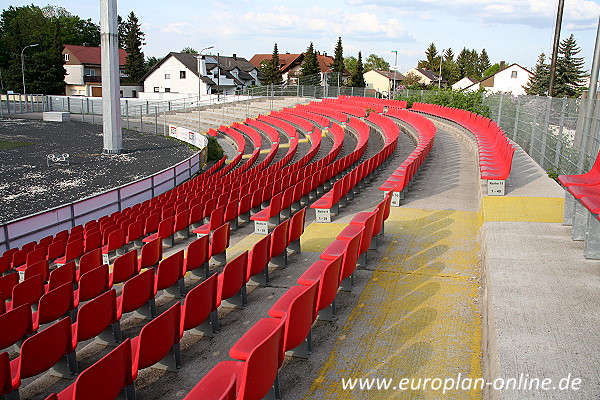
x: 23, y: 64
x: 395, y: 64
x: 440, y: 77
x: 199, y: 57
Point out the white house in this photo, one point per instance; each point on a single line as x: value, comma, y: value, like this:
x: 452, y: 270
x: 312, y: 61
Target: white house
x: 464, y: 83
x: 427, y: 77
x: 383, y: 81
x: 83, y: 73
x: 508, y: 80
x: 178, y: 73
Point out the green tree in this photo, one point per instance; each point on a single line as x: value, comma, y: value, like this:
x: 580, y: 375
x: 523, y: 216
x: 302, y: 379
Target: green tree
x: 357, y: 79
x: 152, y: 61
x: 270, y: 69
x: 73, y: 30
x: 467, y: 62
x: 338, y: 67
x: 134, y: 40
x: 493, y: 69
x: 189, y: 50
x: 411, y: 80
x: 377, y: 63
x: 569, y: 70
x: 121, y: 31
x: 44, y: 71
x: 350, y: 63
x: 483, y: 63
x: 450, y: 70
x: 310, y: 65
x: 540, y: 80
x: 432, y: 59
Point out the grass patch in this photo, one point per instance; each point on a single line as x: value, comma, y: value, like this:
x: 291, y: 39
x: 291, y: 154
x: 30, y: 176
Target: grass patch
x: 6, y: 144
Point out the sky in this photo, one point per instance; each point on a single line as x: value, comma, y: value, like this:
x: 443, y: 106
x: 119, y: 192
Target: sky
x: 515, y: 31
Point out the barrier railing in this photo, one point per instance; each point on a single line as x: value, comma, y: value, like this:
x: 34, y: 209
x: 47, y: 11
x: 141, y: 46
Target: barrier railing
x: 34, y: 227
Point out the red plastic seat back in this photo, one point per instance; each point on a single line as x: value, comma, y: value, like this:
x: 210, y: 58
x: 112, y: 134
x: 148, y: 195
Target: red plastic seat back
x: 56, y: 250
x: 62, y: 275
x: 216, y: 384
x: 279, y: 238
x: 44, y: 349
x: 39, y: 268
x: 124, y: 267
x: 296, y: 228
x: 166, y: 227
x: 107, y: 377
x: 93, y: 283
x: 233, y: 276
x: 55, y: 304
x: 219, y: 240
x: 259, y: 256
x: 151, y: 254
x: 137, y: 291
x: 199, y: 303
x: 28, y: 292
x: 151, y: 224
x: 74, y: 250
x: 36, y: 256
x: 7, y: 283
x: 169, y: 271
x: 197, y: 253
x: 95, y: 316
x: 90, y: 260
x: 157, y: 337
x: 350, y: 256
x: 116, y: 239
x: 329, y: 283
x: 91, y: 241
x: 135, y: 231
x: 300, y: 314
x: 15, y: 323
x: 263, y: 361
x: 367, y: 235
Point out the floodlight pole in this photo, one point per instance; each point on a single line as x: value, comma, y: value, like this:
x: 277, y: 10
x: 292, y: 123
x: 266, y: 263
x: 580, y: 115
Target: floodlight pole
x: 111, y: 99
x: 440, y: 77
x: 23, y: 64
x: 395, y: 63
x: 199, y: 58
x: 559, y: 16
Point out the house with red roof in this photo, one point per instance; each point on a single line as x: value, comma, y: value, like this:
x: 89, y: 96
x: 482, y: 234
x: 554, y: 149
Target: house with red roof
x: 84, y: 75
x: 291, y: 65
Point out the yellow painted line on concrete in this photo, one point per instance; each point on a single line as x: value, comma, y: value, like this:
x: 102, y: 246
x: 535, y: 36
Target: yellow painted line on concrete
x: 284, y: 146
x: 419, y: 316
x: 317, y: 236
x: 246, y: 156
x: 522, y: 209
x: 265, y: 151
x: 303, y: 140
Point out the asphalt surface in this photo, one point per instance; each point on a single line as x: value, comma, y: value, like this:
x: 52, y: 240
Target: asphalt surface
x: 28, y: 185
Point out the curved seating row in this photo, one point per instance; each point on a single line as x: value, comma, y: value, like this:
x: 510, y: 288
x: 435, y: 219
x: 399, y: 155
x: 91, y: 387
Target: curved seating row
x: 495, y: 149
x: 389, y: 103
x: 399, y: 181
x: 259, y: 353
x: 323, y: 109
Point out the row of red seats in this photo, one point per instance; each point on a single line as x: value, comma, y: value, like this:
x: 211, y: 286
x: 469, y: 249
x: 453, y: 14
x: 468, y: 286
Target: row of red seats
x: 353, y: 109
x: 197, y: 315
x: 389, y: 103
x: 259, y: 353
x: 495, y: 149
x: 322, y: 109
x: 399, y: 181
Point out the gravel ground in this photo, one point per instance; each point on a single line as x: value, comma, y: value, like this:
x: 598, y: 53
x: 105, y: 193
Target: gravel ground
x: 28, y: 185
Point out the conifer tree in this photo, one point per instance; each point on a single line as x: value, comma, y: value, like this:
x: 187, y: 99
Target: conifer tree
x: 538, y: 83
x: 310, y: 65
x: 134, y: 40
x: 569, y: 70
x: 357, y: 79
x: 432, y: 59
x: 338, y: 67
x: 483, y: 63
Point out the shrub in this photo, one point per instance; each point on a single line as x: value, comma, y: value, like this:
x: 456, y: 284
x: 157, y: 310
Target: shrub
x: 470, y: 101
x: 215, y: 151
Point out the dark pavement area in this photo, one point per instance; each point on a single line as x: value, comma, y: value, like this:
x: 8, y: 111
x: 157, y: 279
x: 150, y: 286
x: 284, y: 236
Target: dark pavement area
x: 28, y: 185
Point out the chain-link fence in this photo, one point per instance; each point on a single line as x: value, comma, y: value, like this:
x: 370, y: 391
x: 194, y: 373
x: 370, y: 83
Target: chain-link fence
x: 562, y: 135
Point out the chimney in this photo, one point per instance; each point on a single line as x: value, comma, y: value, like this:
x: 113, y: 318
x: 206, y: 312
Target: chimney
x: 234, y: 56
x: 502, y: 65
x: 325, y: 53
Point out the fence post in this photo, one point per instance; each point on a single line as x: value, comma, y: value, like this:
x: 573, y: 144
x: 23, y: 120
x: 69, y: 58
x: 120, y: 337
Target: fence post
x: 166, y: 128
x: 559, y: 139
x: 156, y: 120
x: 500, y: 109
x: 82, y: 118
x: 1, y: 107
x: 147, y: 108
x: 544, y: 131
x: 141, y: 119
x: 93, y: 112
x: 516, y: 128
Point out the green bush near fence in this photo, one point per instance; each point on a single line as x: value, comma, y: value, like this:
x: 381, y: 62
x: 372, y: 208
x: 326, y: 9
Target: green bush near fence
x: 215, y: 151
x: 470, y: 101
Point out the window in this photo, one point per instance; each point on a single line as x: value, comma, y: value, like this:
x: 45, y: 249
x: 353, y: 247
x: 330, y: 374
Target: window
x: 66, y: 57
x: 156, y: 89
x: 134, y: 93
x: 181, y: 74
x: 167, y: 75
x: 513, y: 74
x: 167, y: 90
x: 90, y: 72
